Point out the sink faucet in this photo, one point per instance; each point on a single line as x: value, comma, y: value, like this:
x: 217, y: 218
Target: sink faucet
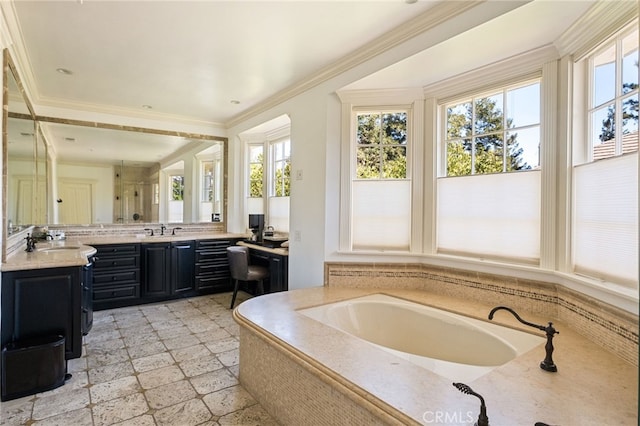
x: 483, y: 420
x: 173, y: 231
x: 547, y: 364
x: 162, y: 228
x: 31, y: 243
x: 149, y: 229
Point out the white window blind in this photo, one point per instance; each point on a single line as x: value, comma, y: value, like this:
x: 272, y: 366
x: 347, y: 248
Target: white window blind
x: 381, y: 214
x: 490, y: 216
x: 605, y: 243
x: 279, y: 213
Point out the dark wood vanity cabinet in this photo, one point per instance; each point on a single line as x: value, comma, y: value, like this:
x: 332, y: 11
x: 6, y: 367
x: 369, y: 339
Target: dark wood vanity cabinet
x: 116, y: 275
x: 212, y: 265
x: 278, y: 266
x: 168, y: 269
x: 37, y: 303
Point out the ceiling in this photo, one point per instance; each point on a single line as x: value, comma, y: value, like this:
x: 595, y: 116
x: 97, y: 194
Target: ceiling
x: 207, y: 62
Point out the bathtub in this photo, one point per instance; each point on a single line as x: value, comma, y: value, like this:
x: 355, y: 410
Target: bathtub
x: 453, y: 346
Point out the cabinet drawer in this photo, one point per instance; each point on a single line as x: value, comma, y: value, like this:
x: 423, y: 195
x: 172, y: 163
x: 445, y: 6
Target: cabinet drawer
x: 212, y: 244
x: 210, y: 283
x: 132, y: 276
x: 110, y: 262
x: 212, y: 270
x: 116, y: 293
x: 117, y: 249
x: 212, y: 256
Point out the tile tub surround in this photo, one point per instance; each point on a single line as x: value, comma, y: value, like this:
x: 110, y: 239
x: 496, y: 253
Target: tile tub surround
x: 305, y: 372
x: 612, y: 328
x: 172, y: 363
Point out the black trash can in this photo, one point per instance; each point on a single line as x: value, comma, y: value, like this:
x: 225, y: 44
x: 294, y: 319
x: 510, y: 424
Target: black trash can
x: 32, y: 365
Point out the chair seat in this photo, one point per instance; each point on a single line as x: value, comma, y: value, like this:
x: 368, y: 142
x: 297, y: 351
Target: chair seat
x: 241, y: 270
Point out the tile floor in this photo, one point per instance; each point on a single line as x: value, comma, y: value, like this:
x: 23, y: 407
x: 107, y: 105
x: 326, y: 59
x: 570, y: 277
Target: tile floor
x: 171, y: 363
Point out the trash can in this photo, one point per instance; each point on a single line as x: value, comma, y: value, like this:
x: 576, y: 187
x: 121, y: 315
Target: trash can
x: 32, y: 365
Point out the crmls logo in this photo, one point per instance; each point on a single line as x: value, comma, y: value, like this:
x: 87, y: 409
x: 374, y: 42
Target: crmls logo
x: 447, y: 417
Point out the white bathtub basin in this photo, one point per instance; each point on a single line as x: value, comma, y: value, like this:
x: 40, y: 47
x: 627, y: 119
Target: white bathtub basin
x: 454, y: 346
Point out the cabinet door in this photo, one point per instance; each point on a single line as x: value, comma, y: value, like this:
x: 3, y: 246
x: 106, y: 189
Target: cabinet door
x: 43, y: 302
x: 182, y: 267
x: 156, y: 270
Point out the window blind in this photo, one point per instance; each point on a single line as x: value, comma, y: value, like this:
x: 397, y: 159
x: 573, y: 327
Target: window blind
x: 605, y: 219
x: 381, y: 215
x: 490, y: 216
x: 279, y: 213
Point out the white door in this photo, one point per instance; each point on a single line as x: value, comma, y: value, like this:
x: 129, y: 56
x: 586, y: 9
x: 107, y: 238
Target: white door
x: 76, y: 203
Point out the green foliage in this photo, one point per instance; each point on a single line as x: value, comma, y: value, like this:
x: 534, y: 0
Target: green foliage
x: 381, y: 152
x: 484, y: 151
x: 256, y: 175
x: 177, y: 188
x: 283, y: 181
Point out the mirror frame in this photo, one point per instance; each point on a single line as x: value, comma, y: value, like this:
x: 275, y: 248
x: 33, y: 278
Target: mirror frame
x: 9, y: 67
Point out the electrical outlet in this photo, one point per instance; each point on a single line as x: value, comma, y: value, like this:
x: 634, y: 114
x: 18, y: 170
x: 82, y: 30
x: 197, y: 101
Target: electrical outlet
x: 299, y: 174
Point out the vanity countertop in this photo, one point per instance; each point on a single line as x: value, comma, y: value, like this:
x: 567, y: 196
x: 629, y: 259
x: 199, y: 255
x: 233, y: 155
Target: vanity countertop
x: 50, y: 254
x: 275, y: 250
x: 76, y: 251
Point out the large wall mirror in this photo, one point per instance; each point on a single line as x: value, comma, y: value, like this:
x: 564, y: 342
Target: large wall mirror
x: 72, y: 172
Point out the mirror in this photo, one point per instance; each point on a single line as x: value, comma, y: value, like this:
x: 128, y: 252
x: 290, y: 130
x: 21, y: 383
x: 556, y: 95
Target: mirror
x: 25, y: 183
x: 109, y: 174
x: 74, y: 172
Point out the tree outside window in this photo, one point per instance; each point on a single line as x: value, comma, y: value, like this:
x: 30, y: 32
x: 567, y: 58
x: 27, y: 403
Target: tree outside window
x: 256, y: 170
x: 177, y: 188
x: 281, y: 168
x: 495, y: 133
x: 381, y: 150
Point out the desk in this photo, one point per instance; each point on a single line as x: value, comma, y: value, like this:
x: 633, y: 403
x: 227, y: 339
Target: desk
x: 276, y: 260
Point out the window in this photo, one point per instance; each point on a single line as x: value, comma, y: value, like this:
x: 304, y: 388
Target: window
x: 256, y: 170
x: 613, y: 108
x: 177, y: 188
x: 381, y: 151
x: 208, y: 189
x: 477, y: 130
x: 281, y: 168
x: 380, y: 188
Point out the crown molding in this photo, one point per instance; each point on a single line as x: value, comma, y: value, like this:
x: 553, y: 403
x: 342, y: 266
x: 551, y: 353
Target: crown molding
x: 523, y: 65
x: 599, y: 22
x: 381, y: 96
x: 427, y: 20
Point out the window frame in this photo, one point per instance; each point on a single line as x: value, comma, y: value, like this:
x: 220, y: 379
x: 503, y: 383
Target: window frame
x: 591, y: 108
x: 471, y: 97
x: 274, y: 161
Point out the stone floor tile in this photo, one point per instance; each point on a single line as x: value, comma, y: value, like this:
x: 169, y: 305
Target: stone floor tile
x: 170, y: 394
x: 189, y: 413
x: 152, y: 362
x: 223, y: 345
x: 99, y: 358
x: 229, y: 358
x: 17, y: 411
x: 168, y: 333
x: 119, y: 409
x: 113, y: 389
x: 97, y: 336
x: 201, y: 365
x: 191, y: 352
x: 144, y: 420
x: 111, y: 372
x: 181, y: 341
x: 52, y: 405
x: 228, y: 400
x: 77, y: 364
x: 254, y: 415
x: 105, y: 345
x: 213, y: 335
x: 166, y: 323
x: 132, y: 339
x: 78, y: 380
x: 81, y: 417
x: 213, y: 381
x: 160, y: 376
x: 146, y: 349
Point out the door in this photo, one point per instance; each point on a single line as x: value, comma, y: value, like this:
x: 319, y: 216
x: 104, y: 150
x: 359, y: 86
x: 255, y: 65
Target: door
x: 75, y: 202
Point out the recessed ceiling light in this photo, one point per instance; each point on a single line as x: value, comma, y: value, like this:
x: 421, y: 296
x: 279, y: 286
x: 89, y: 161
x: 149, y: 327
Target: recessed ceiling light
x: 410, y: 1
x: 235, y: 101
x: 147, y: 107
x: 64, y: 71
